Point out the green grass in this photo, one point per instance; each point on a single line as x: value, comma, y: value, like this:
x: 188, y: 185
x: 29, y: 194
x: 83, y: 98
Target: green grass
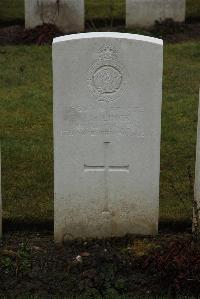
x: 26, y: 128
x: 26, y: 119
x: 105, y: 8
x: 193, y: 9
x: 12, y: 11
x: 179, y: 117
x: 26, y: 131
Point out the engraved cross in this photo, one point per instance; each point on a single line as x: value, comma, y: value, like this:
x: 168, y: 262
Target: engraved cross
x: 106, y: 168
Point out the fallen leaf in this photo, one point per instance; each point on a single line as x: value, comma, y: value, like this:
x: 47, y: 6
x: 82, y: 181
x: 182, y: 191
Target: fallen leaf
x: 84, y: 254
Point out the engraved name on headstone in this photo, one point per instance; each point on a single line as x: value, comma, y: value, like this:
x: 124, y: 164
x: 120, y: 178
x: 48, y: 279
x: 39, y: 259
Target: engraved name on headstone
x: 107, y: 111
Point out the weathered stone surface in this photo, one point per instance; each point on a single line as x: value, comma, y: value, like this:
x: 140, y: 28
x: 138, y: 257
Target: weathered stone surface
x: 67, y: 15
x: 107, y: 115
x: 197, y: 175
x: 144, y: 13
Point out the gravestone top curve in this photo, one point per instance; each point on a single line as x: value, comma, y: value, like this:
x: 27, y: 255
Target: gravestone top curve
x: 114, y: 35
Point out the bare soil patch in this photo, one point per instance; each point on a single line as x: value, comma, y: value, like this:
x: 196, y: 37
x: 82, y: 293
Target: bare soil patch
x: 30, y: 263
x: 170, y: 31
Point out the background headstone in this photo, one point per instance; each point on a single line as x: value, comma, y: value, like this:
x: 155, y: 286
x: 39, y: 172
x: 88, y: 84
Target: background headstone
x: 197, y: 174
x: 144, y: 13
x: 67, y: 15
x: 107, y: 115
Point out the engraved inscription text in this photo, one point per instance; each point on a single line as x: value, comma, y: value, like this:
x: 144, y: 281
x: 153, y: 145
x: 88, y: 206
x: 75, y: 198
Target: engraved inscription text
x: 90, y: 121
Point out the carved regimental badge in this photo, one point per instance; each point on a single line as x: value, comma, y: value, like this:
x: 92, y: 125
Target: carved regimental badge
x: 106, y: 79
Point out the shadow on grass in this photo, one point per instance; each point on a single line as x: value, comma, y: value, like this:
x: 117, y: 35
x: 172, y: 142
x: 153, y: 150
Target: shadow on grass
x: 192, y: 20
x: 15, y: 22
x: 13, y: 225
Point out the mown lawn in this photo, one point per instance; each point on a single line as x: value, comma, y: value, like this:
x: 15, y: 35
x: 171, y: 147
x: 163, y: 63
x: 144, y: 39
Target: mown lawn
x: 26, y: 131
x: 193, y: 9
x: 26, y: 120
x: 12, y: 11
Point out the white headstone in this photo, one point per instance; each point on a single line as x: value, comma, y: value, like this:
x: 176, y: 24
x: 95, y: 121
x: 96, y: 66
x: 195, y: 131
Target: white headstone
x: 107, y: 115
x: 67, y: 15
x: 144, y: 13
x: 197, y: 175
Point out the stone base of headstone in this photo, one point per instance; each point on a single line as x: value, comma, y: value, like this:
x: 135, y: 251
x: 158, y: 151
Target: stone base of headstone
x: 67, y: 15
x: 144, y: 13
